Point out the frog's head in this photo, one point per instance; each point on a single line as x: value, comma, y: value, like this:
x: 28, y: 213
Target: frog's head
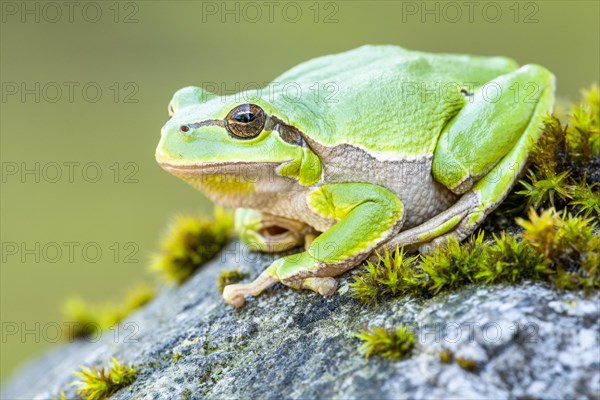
x: 231, y: 146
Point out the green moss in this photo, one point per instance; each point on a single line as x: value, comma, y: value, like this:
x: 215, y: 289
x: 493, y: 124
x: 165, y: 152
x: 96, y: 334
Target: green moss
x: 502, y: 259
x: 100, y: 383
x: 550, y: 149
x: 176, y: 357
x: 583, y: 137
x: 585, y: 198
x: 544, y: 187
x: 509, y: 259
x: 467, y: 364
x: 395, y: 343
x: 229, y: 277
x: 564, y: 165
x: 190, y: 242
x: 446, y: 356
x: 391, y: 275
x: 454, y: 265
x: 564, y: 250
x: 86, y: 319
x: 137, y: 297
x: 570, y: 246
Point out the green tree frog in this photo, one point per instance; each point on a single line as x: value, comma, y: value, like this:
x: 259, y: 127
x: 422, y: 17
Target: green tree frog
x: 352, y: 153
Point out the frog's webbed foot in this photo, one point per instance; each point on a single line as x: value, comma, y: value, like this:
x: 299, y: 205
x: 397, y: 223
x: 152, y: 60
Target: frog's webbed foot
x: 284, y: 270
x: 270, y: 233
x: 235, y: 294
x: 325, y: 286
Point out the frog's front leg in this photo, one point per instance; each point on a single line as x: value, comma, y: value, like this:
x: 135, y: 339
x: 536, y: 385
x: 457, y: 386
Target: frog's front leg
x: 270, y: 233
x: 366, y: 214
x: 482, y: 152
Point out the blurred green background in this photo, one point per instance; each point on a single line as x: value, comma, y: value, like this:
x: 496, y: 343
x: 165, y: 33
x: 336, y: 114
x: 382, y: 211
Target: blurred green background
x: 138, y: 54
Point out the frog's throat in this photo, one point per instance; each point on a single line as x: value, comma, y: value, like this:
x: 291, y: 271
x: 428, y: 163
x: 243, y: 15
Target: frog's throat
x: 230, y: 184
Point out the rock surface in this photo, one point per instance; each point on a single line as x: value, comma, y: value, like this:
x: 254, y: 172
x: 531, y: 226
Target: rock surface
x: 528, y: 341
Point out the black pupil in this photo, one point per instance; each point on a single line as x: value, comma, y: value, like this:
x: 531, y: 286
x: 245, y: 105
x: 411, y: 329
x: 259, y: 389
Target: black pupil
x: 245, y: 117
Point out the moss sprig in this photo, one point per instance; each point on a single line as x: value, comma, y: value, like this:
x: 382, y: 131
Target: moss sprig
x: 570, y: 246
x: 393, y: 274
x: 190, y: 242
x: 446, y: 356
x: 585, y: 198
x: 544, y: 187
x: 583, y: 138
x: 100, y: 383
x: 455, y: 264
x: 467, y: 364
x: 229, y: 277
x: 395, y: 343
x: 88, y: 319
x: 509, y: 260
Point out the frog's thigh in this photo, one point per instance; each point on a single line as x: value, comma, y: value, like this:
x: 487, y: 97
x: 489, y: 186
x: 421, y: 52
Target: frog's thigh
x: 494, y: 186
x: 481, y: 153
x: 270, y: 233
x: 438, y: 226
x: 367, y: 216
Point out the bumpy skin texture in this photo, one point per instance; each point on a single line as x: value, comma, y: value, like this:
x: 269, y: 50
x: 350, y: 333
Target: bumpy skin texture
x: 375, y: 147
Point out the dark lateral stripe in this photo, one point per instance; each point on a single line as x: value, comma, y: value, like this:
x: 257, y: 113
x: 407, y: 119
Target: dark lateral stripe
x: 287, y: 132
x: 208, y: 122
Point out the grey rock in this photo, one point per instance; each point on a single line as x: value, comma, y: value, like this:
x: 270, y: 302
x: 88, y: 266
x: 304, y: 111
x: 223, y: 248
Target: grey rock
x: 529, y: 341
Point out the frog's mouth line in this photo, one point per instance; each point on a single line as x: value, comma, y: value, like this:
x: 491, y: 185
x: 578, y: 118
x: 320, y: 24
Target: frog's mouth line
x: 224, y: 168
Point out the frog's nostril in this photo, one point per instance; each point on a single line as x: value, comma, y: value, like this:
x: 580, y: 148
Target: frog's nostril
x: 184, y: 128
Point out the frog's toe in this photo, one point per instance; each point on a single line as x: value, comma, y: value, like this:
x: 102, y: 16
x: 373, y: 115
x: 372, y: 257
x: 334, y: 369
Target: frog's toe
x: 234, y: 296
x: 430, y: 247
x: 324, y: 286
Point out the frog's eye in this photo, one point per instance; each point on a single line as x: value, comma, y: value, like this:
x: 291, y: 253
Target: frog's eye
x: 170, y: 109
x: 245, y: 121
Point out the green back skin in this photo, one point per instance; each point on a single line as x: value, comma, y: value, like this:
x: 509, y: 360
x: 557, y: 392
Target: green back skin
x: 384, y: 99
x: 403, y: 85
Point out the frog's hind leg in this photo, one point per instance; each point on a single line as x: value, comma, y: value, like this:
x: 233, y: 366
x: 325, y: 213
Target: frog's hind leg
x: 481, y: 156
x: 444, y: 224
